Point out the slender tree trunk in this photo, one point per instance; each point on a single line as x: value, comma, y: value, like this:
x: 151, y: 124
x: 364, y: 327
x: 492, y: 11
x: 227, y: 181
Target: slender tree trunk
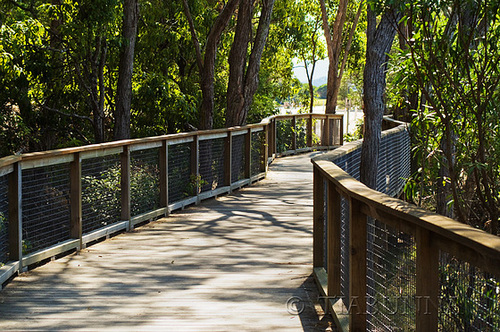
x: 379, y: 42
x: 206, y: 65
x: 125, y: 71
x: 243, y: 85
x: 335, y: 51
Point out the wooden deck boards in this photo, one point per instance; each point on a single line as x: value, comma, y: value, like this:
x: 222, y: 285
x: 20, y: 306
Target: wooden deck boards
x: 229, y: 264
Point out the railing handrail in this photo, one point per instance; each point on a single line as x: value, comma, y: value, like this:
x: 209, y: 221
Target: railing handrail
x: 262, y: 142
x: 10, y: 160
x: 431, y: 233
x: 406, y: 216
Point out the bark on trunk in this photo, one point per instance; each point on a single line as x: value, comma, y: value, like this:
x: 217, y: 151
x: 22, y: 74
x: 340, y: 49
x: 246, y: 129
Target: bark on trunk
x: 379, y: 42
x: 125, y: 71
x: 207, y: 66
x: 243, y: 85
x: 335, y: 50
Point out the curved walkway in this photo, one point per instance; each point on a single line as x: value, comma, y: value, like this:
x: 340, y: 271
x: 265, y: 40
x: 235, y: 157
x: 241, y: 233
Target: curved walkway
x: 229, y: 264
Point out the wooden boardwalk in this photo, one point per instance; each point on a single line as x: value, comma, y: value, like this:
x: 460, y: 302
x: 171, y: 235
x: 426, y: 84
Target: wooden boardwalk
x: 230, y: 264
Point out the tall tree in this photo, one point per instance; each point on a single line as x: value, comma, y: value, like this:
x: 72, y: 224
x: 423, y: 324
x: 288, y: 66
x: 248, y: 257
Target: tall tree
x: 379, y: 39
x: 337, y: 52
x: 206, y: 62
x: 243, y: 78
x: 125, y: 70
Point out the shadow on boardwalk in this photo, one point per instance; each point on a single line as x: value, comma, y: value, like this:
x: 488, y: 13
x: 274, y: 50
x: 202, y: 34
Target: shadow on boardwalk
x: 242, y: 262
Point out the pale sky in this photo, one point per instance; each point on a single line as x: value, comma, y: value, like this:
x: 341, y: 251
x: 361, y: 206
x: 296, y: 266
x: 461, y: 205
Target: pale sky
x: 321, y: 70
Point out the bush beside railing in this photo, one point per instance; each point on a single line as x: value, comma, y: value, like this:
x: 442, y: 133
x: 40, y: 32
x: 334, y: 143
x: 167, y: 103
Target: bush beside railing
x: 384, y: 264
x: 59, y: 201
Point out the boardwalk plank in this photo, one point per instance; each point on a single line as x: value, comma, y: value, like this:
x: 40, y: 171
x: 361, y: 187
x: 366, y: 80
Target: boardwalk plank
x: 229, y: 264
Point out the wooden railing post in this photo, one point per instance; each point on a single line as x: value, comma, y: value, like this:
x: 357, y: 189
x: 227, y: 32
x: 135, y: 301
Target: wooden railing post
x: 76, y: 198
x: 275, y: 142
x: 318, y: 219
x: 164, y: 176
x: 333, y: 240
x: 125, y: 187
x: 294, y: 133
x: 341, y: 126
x: 427, y: 283
x: 248, y: 154
x: 310, y: 130
x: 15, y: 216
x: 195, y: 165
x: 357, y: 267
x: 265, y: 152
x: 228, y: 159
x: 326, y: 135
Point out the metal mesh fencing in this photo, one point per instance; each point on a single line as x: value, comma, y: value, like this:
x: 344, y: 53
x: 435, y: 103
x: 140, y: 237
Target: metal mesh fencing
x: 394, y: 162
x: 391, y: 281
x: 4, y: 220
x: 317, y: 131
x: 180, y: 182
x: 212, y: 164
x: 469, y: 297
x: 394, y: 167
x: 101, y: 195
x: 45, y: 206
x: 301, y: 133
x: 257, y: 152
x: 144, y: 181
x: 238, y: 158
x: 284, y: 135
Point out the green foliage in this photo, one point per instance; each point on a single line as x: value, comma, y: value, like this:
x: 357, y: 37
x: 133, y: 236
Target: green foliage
x: 452, y: 62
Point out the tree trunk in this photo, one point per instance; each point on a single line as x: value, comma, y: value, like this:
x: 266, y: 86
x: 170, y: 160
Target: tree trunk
x: 335, y: 50
x: 379, y: 42
x: 125, y: 71
x: 242, y: 86
x: 207, y: 65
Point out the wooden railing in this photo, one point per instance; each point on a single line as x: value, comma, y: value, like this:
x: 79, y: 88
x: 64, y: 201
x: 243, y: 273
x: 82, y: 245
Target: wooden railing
x: 59, y: 201
x: 442, y: 261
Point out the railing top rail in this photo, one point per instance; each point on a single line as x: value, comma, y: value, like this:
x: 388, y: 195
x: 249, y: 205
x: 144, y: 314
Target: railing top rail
x: 306, y: 115
x: 10, y: 160
x: 474, y: 245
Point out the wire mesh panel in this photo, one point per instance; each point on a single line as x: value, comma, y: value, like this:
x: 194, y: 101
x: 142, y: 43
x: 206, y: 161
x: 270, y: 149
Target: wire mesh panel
x: 301, y: 133
x: 180, y: 182
x: 144, y: 181
x: 394, y: 162
x: 238, y: 158
x: 212, y: 164
x: 4, y: 221
x: 257, y: 153
x: 391, y: 270
x: 45, y: 206
x: 469, y: 297
x: 101, y: 202
x: 317, y: 131
x: 284, y: 135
